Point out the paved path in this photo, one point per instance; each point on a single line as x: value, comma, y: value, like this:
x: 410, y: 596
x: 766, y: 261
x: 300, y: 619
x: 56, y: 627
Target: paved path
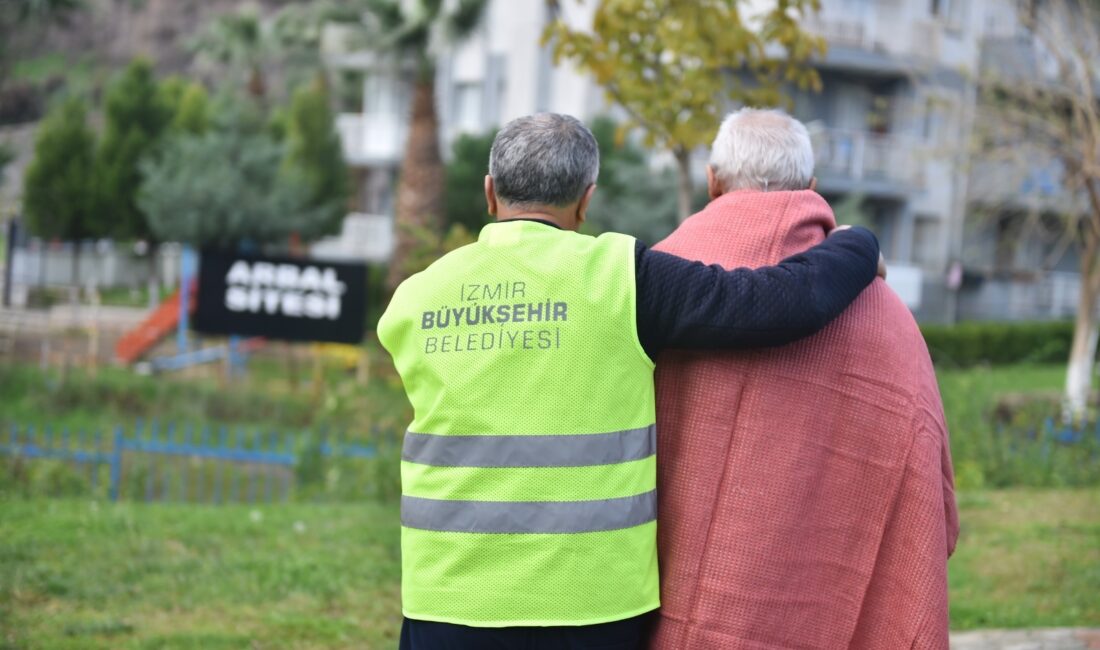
x: 1051, y: 639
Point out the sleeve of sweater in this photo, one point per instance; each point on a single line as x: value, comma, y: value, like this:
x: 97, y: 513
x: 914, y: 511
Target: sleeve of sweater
x: 686, y: 304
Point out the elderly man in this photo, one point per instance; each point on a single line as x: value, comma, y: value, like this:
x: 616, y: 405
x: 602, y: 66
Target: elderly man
x: 805, y: 492
x: 528, y: 508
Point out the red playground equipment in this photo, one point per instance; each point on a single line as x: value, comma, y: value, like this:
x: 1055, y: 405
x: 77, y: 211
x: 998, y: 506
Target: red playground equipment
x: 161, y: 323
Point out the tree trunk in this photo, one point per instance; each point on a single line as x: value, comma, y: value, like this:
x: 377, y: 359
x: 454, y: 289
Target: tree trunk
x: 257, y: 86
x: 420, y: 188
x: 684, y: 188
x: 1082, y: 353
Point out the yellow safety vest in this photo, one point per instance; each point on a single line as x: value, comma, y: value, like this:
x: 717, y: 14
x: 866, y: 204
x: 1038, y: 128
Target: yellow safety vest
x: 528, y: 472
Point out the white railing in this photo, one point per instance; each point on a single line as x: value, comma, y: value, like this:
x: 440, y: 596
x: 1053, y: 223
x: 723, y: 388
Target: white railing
x: 861, y: 155
x: 927, y: 40
x: 875, y: 30
x: 1059, y: 297
x: 849, y: 32
x: 371, y: 139
x: 363, y: 237
x: 1053, y: 295
x: 907, y: 281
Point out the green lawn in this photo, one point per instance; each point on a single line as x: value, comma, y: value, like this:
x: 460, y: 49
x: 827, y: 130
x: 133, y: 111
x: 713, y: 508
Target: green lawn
x: 79, y: 574
x: 1027, y: 558
x: 282, y: 391
x: 89, y: 574
x: 82, y: 574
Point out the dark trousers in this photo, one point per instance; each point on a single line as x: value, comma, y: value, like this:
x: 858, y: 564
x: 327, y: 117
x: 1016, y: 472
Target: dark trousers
x: 629, y: 634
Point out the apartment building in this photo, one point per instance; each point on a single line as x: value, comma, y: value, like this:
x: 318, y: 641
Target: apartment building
x: 1018, y: 265
x: 890, y: 126
x: 501, y: 72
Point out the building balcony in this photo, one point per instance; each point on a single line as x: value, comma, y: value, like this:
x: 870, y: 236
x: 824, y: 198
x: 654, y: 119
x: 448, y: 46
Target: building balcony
x: 1015, y: 58
x: 363, y: 237
x: 850, y: 32
x: 1046, y: 296
x: 857, y: 44
x: 371, y: 140
x: 875, y: 164
x: 1028, y: 182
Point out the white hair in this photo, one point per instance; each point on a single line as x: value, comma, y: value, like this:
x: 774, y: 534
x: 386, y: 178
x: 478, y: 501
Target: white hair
x: 762, y: 149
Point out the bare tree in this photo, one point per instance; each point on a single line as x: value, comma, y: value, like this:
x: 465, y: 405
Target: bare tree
x: 1040, y: 111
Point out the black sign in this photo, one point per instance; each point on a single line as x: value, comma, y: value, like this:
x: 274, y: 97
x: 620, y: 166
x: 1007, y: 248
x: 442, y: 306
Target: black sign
x: 281, y: 298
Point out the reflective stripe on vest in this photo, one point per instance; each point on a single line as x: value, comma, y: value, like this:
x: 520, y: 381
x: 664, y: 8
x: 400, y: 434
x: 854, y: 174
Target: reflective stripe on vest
x: 530, y: 451
x: 528, y: 516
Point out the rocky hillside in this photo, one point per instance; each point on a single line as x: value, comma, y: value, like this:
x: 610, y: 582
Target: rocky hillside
x: 81, y: 54
x: 115, y: 31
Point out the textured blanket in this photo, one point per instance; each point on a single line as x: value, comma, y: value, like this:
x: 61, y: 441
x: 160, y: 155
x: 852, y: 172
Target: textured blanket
x: 806, y: 492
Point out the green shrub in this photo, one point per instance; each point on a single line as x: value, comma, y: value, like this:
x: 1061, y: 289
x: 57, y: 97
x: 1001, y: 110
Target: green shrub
x: 321, y: 478
x: 973, y: 343
x: 44, y: 298
x: 465, y: 182
x: 997, y: 418
x: 23, y: 477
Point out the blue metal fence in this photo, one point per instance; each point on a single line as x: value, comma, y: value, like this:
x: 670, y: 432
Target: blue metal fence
x: 1068, y: 434
x: 1049, y: 432
x: 182, y: 463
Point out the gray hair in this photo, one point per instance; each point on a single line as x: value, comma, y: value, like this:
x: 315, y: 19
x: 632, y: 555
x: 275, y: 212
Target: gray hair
x: 543, y: 159
x: 762, y: 149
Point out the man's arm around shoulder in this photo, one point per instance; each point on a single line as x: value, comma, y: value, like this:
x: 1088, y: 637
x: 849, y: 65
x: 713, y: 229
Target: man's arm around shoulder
x: 685, y: 304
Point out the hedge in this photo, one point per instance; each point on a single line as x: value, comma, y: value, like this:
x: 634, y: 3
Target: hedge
x: 972, y: 343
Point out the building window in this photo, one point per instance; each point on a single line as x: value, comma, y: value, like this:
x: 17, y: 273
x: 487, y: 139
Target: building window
x: 467, y: 107
x: 950, y: 12
x: 352, y: 90
x: 1009, y: 231
x: 375, y: 95
x: 933, y: 119
x: 809, y: 106
x: 879, y: 113
x: 926, y: 240
x: 1028, y: 11
x: 855, y: 6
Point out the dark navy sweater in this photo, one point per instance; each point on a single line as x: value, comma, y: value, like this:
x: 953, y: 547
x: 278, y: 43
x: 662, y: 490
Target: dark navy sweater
x: 686, y: 304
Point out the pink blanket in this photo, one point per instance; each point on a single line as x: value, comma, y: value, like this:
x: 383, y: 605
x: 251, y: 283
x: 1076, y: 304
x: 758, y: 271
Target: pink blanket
x: 806, y: 492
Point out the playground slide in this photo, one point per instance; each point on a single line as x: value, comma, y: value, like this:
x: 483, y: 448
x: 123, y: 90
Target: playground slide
x: 161, y: 323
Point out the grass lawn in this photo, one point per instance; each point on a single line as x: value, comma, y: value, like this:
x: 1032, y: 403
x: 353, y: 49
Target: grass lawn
x: 82, y: 574
x: 283, y: 391
x: 89, y: 574
x: 1027, y: 558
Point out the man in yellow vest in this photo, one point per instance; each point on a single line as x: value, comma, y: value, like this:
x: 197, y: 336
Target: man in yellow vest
x: 528, y: 505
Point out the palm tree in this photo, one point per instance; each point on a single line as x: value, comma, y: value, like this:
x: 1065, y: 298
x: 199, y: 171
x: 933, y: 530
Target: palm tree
x: 239, y: 42
x: 414, y: 32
